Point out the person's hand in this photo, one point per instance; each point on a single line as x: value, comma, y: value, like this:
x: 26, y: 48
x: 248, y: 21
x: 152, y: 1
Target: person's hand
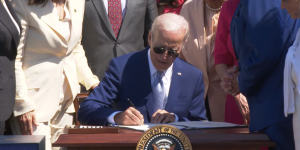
x: 234, y: 71
x: 26, y: 121
x: 129, y: 117
x: 94, y: 86
x: 229, y: 81
x: 162, y: 116
x: 234, y: 85
x: 226, y: 80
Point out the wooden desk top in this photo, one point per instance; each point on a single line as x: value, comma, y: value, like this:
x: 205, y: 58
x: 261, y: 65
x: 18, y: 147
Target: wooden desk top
x: 203, y: 137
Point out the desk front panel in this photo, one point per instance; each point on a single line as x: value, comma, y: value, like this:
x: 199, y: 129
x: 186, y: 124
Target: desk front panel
x: 205, y: 139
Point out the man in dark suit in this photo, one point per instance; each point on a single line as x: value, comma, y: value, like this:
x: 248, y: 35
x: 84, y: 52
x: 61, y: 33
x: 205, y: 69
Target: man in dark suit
x: 261, y: 40
x: 162, y: 87
x: 114, y: 30
x: 9, y: 41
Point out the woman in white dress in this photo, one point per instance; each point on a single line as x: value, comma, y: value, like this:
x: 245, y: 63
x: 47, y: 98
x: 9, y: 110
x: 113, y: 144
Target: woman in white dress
x: 292, y: 74
x: 49, y: 66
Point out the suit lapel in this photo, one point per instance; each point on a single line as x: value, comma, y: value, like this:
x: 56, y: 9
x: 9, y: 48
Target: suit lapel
x: 103, y: 15
x: 175, y: 85
x: 45, y: 13
x: 8, y: 23
x: 12, y: 12
x: 130, y: 7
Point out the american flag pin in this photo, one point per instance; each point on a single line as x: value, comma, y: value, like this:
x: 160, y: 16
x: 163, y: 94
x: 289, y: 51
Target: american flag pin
x: 179, y: 73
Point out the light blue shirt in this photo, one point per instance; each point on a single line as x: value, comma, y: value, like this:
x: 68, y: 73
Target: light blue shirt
x: 123, y: 3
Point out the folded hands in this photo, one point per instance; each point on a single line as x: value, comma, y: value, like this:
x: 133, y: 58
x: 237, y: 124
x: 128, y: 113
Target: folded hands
x: 229, y: 81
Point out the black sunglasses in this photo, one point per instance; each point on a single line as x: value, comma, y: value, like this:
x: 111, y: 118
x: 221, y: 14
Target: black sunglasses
x: 160, y: 50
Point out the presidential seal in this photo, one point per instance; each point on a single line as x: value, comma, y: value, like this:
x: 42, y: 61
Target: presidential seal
x: 164, y: 137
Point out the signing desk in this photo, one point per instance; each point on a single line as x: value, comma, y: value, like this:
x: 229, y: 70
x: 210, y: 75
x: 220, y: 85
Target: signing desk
x: 204, y: 139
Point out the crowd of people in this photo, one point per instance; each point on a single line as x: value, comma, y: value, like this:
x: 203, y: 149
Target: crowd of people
x: 233, y: 61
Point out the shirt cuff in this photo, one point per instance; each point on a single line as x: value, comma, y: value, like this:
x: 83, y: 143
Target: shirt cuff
x: 176, y: 118
x: 110, y: 118
x: 23, y: 106
x: 89, y: 82
x: 186, y: 119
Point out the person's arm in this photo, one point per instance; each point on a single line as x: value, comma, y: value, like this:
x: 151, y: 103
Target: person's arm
x: 221, y: 69
x: 184, y: 13
x: 84, y: 73
x: 222, y: 54
x: 96, y: 109
x: 24, y: 107
x: 151, y: 14
x: 197, y: 110
x: 264, y: 41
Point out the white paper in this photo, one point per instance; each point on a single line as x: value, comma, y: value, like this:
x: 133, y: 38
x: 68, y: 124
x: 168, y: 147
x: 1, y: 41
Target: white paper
x: 205, y: 124
x: 146, y: 126
x: 186, y: 125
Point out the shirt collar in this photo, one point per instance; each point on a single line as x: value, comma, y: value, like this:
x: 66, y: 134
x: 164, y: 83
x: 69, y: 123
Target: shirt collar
x: 167, y: 73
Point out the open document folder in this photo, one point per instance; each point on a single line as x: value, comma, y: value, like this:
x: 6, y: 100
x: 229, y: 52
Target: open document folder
x: 186, y: 125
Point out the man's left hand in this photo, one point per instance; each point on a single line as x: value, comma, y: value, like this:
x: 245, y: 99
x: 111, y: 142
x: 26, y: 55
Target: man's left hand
x: 162, y: 116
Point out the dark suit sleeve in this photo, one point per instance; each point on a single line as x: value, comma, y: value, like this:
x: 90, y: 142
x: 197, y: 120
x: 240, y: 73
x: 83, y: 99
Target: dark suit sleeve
x: 151, y: 14
x: 197, y: 110
x: 264, y: 40
x: 97, y: 107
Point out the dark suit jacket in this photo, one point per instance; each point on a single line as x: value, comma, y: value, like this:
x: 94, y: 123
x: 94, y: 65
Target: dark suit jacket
x: 9, y: 41
x: 99, y: 41
x: 261, y: 33
x: 128, y: 76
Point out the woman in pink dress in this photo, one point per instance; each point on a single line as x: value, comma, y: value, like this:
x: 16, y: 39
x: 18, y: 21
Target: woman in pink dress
x: 236, y: 107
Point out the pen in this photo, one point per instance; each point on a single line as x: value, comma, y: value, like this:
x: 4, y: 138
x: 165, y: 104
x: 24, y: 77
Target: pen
x: 131, y: 104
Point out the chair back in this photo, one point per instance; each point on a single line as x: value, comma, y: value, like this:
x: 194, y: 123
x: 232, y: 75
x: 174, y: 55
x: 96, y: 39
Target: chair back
x: 78, y: 99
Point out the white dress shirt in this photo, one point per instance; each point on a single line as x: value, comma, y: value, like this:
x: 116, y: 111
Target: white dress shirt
x: 291, y: 84
x: 123, y: 3
x: 12, y: 18
x: 167, y: 78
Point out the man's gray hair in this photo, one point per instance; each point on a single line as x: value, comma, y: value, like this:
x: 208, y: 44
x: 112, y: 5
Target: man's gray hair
x: 171, y: 23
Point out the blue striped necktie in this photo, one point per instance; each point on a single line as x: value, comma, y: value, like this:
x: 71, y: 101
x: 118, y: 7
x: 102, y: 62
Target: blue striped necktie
x: 158, y: 91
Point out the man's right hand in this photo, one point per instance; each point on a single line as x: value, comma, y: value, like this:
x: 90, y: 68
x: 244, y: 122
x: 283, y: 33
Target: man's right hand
x: 26, y: 121
x: 129, y: 117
